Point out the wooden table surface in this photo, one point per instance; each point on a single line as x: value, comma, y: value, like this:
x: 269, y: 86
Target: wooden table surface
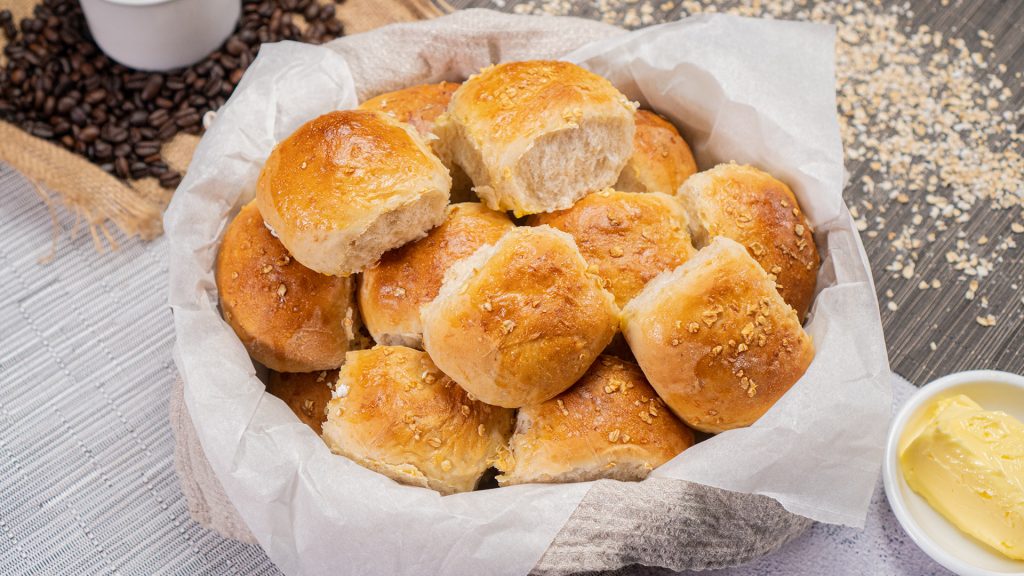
x: 943, y: 316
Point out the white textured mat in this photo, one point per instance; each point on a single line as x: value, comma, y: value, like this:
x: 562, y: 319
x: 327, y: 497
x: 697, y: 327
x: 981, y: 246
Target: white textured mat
x: 87, y: 482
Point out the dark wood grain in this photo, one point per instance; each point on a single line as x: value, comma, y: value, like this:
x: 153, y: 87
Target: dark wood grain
x: 943, y: 316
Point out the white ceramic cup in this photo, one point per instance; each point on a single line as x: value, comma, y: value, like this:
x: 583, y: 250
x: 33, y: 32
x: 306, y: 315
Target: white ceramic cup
x: 940, y: 539
x: 160, y: 34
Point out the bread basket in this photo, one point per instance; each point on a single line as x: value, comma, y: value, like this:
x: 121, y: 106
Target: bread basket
x: 760, y: 92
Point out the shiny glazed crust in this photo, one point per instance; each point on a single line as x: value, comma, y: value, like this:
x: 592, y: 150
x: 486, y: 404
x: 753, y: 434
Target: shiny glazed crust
x: 416, y: 105
x: 306, y: 394
x: 391, y: 293
x: 519, y: 322
x: 394, y: 412
x: 716, y: 340
x: 761, y: 213
x: 290, y: 318
x: 628, y: 237
x: 661, y: 159
x: 610, y: 424
x: 348, y: 186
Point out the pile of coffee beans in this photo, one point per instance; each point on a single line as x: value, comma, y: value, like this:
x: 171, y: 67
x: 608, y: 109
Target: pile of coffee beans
x: 58, y: 85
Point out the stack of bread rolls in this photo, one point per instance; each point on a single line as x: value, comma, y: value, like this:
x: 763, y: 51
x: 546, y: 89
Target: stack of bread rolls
x: 522, y: 273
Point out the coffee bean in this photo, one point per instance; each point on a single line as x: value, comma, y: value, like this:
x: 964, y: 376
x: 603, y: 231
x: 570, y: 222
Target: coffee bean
x: 103, y: 150
x: 65, y: 104
x: 158, y: 117
x: 187, y: 120
x: 138, y: 118
x: 212, y: 87
x: 61, y: 127
x: 95, y: 96
x: 167, y: 131
x: 88, y: 134
x: 170, y: 179
x: 78, y: 117
x: 42, y: 130
x: 235, y: 46
x: 139, y: 170
x: 122, y: 167
x: 153, y: 85
x: 147, y: 148
x: 114, y: 134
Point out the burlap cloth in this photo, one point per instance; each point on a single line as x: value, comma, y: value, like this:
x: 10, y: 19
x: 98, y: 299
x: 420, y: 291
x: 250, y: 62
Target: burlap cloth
x: 659, y: 522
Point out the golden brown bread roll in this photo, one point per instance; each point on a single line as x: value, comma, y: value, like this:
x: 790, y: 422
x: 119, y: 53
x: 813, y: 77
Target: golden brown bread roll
x: 610, y: 424
x: 716, y: 340
x: 394, y: 412
x: 628, y: 237
x: 420, y: 106
x: 661, y: 159
x: 416, y: 105
x: 391, y: 292
x: 348, y: 186
x: 290, y: 318
x: 761, y: 213
x: 520, y: 321
x: 306, y: 394
x: 537, y: 136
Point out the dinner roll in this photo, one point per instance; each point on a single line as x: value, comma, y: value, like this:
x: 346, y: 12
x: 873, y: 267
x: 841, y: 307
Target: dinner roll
x: 537, y: 136
x: 391, y: 293
x: 761, y: 213
x: 420, y: 106
x: 416, y: 105
x: 290, y: 318
x: 661, y: 159
x: 611, y: 424
x: 394, y: 412
x: 520, y: 321
x: 628, y: 237
x: 306, y: 394
x: 716, y: 340
x: 348, y: 186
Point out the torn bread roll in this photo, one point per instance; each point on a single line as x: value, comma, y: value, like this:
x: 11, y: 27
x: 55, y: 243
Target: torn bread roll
x: 395, y: 413
x: 537, y: 136
x: 306, y: 394
x: 610, y: 424
x: 628, y: 238
x: 518, y: 322
x: 288, y: 317
x: 420, y: 106
x: 348, y: 186
x: 716, y: 340
x: 760, y: 212
x: 661, y: 159
x: 392, y: 291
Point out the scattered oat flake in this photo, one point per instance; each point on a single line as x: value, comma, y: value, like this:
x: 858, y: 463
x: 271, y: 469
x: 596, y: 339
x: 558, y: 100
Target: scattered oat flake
x: 987, y: 320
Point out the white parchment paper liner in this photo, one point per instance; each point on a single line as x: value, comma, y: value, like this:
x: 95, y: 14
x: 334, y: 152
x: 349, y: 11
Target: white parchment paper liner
x: 748, y: 90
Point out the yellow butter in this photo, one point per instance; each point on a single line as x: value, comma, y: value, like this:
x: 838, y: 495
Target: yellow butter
x: 968, y: 463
